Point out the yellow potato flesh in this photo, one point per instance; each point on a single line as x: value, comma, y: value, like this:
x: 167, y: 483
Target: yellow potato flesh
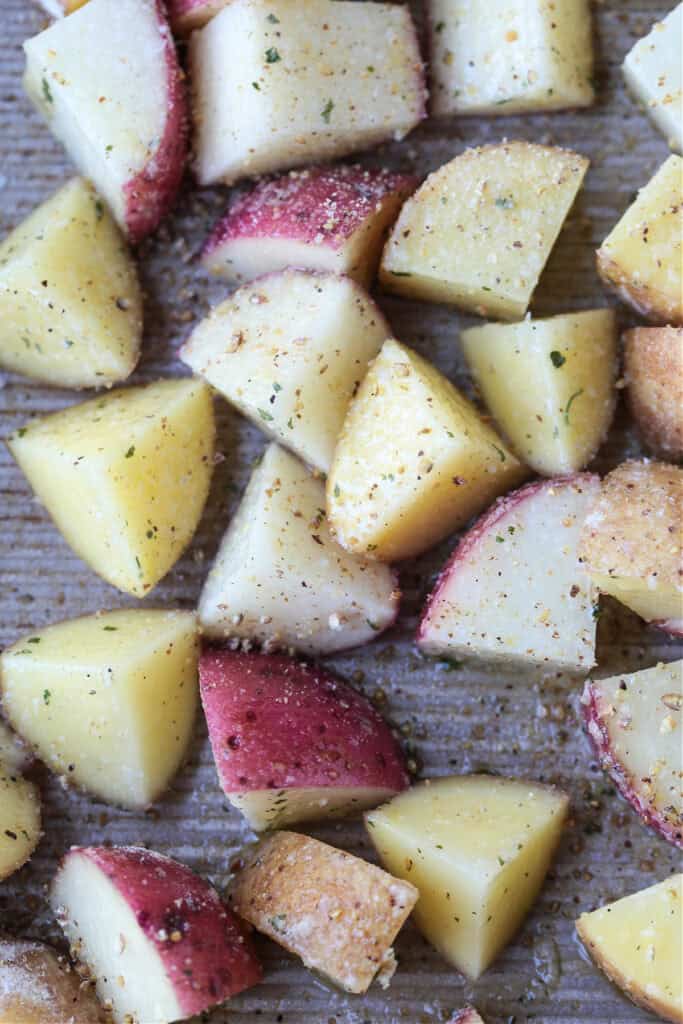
x: 19, y: 820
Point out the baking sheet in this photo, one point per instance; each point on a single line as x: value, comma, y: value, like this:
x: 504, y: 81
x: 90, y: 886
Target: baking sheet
x: 453, y: 720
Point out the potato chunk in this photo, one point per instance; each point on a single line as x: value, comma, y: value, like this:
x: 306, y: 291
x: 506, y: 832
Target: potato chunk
x: 638, y: 943
x: 653, y: 368
x: 414, y: 460
x: 19, y: 820
x: 642, y: 257
x: 125, y: 476
x: 289, y: 351
x: 133, y: 677
x: 440, y: 249
x: 478, y: 848
x: 38, y: 987
x: 549, y: 385
x: 70, y: 302
x: 653, y: 72
x: 506, y: 57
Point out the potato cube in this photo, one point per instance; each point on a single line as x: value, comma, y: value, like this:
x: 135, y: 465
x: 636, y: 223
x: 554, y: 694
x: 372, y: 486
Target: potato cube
x: 278, y: 84
x: 654, y: 71
x: 506, y: 57
x: 515, y: 193
x: 19, y: 820
x: 38, y: 987
x: 289, y: 351
x: 653, y: 368
x: 642, y: 257
x: 414, y: 460
x: 125, y: 476
x: 549, y: 385
x: 478, y: 848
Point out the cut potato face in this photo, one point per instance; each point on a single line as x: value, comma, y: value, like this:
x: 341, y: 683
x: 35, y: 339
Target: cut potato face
x: 638, y: 943
x: 280, y: 579
x: 38, y: 987
x: 549, y: 385
x: 125, y: 477
x: 641, y: 258
x: 478, y: 848
x: 653, y: 368
x: 289, y: 351
x: 132, y: 675
x: 19, y: 820
x: 440, y: 248
x: 654, y: 74
x: 507, y: 57
x: 70, y: 301
x: 413, y: 462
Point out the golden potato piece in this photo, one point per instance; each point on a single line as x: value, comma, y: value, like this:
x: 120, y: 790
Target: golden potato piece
x: 19, y: 820
x: 653, y: 365
x: 38, y: 987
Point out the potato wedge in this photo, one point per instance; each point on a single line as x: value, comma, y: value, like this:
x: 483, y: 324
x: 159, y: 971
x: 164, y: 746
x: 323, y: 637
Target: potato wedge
x: 653, y: 369
x: 38, y: 987
x: 653, y: 73
x: 19, y: 820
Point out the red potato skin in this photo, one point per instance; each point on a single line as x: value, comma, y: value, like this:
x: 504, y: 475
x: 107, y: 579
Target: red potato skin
x: 278, y: 723
x: 187, y: 15
x: 167, y: 897
x: 466, y: 1016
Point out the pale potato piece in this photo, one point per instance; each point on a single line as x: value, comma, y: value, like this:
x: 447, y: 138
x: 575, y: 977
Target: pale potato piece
x: 638, y: 943
x: 509, y: 56
x: 280, y: 579
x: 19, y: 820
x: 653, y: 369
x: 642, y: 258
x: 478, y: 848
x: 289, y: 350
x: 125, y: 477
x: 480, y: 229
x: 549, y: 385
x: 653, y: 70
x: 132, y: 675
x: 70, y: 301
x: 38, y: 987
x: 414, y: 460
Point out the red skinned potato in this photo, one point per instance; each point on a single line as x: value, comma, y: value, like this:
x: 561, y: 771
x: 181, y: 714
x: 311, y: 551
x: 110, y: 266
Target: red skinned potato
x: 108, y: 82
x: 187, y: 15
x: 155, y: 936
x: 292, y: 742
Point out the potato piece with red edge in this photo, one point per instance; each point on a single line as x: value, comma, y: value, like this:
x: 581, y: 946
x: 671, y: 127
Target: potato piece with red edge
x: 278, y: 84
x: 635, y: 722
x: 517, y: 193
x: 321, y: 218
x: 281, y: 580
x: 631, y: 541
x: 653, y: 369
x: 549, y: 384
x: 467, y: 1016
x: 155, y: 936
x: 413, y: 462
x: 187, y: 15
x: 513, y: 592
x: 292, y: 742
x: 653, y: 73
x: 108, y: 82
x: 124, y: 476
x: 638, y: 943
x: 478, y: 848
x: 38, y: 987
x: 335, y: 911
x: 70, y: 299
x: 19, y: 820
x: 290, y: 350
x: 642, y: 257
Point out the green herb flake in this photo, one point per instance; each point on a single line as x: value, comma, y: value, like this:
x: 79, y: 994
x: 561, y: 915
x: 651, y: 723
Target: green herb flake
x: 557, y: 359
x: 370, y: 69
x: 372, y: 625
x: 99, y: 209
x: 256, y: 86
x: 276, y: 386
x: 109, y: 148
x: 278, y: 922
x: 264, y: 415
x: 501, y: 453
x: 33, y: 640
x: 46, y: 696
x: 597, y: 612
x: 326, y: 111
x: 400, y: 273
x: 272, y: 55
x: 110, y: 629
x: 336, y: 491
x: 511, y: 529
x: 440, y: 26
x: 47, y: 92
x: 572, y: 398
x: 290, y: 423
x: 273, y: 19
x: 499, y: 539
x: 131, y: 452
x: 505, y: 203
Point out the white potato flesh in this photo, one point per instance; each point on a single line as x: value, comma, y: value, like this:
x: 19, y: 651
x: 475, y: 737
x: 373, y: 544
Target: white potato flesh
x: 133, y: 677
x: 478, y: 848
x: 549, y: 385
x: 515, y: 193
x: 125, y: 476
x: 70, y: 301
x: 654, y: 73
x: 280, y: 579
x: 506, y: 57
x: 277, y: 808
x: 638, y: 943
x: 278, y: 84
x: 290, y: 350
x: 19, y: 820
x: 38, y: 987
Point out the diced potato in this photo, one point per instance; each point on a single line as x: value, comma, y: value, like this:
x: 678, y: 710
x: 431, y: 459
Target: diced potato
x: 289, y: 351
x: 638, y: 943
x: 70, y: 302
x: 654, y: 73
x: 19, y: 820
x: 478, y: 848
x: 642, y: 258
x: 505, y: 57
x: 131, y: 675
x: 38, y: 987
x: 480, y: 229
x: 653, y: 368
x: 414, y: 460
x: 549, y: 385
x: 279, y: 578
x: 125, y: 476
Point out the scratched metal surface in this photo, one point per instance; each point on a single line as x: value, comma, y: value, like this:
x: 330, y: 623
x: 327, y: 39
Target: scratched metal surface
x: 453, y: 720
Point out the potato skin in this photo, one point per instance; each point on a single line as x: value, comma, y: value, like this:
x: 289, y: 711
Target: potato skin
x: 653, y: 365
x: 37, y: 987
